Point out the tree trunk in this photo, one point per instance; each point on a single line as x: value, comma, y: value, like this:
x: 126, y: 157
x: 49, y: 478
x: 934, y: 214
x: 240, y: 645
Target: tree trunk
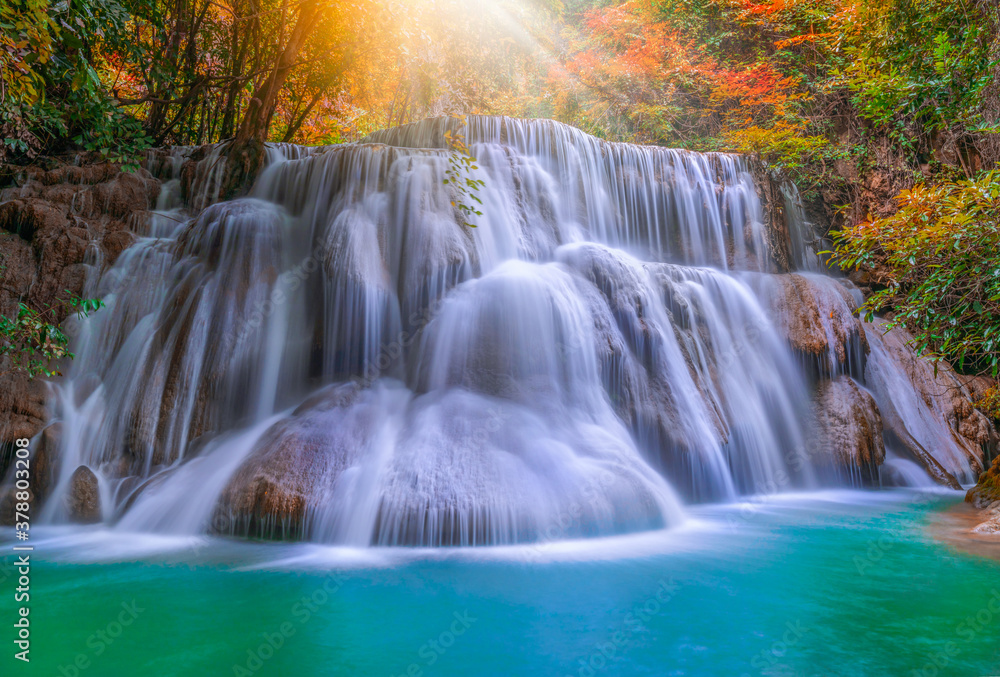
x: 239, y: 46
x: 253, y: 127
x: 296, y: 123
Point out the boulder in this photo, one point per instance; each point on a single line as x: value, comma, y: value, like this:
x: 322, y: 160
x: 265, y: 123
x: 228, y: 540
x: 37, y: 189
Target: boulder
x: 816, y: 315
x: 987, y: 490
x: 848, y: 428
x: 45, y: 463
x: 990, y: 527
x: 83, y: 501
x: 378, y: 466
x: 296, y: 458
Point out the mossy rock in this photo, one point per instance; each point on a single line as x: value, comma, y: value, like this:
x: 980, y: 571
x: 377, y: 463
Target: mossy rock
x: 988, y: 488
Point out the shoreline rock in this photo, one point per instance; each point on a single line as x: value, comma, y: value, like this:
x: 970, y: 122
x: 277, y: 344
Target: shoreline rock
x: 962, y: 527
x: 986, y: 494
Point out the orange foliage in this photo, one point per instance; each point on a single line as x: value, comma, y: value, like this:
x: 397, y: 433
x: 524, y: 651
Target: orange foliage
x: 800, y: 39
x: 663, y: 79
x: 754, y: 8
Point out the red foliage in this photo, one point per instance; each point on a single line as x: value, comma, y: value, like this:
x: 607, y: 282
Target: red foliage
x: 642, y: 62
x: 754, y: 8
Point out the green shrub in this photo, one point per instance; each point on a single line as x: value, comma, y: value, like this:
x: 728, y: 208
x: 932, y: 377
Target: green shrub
x: 938, y: 258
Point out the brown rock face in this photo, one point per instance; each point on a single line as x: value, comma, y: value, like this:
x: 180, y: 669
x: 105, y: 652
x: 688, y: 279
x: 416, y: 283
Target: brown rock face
x: 976, y: 385
x: 848, y: 427
x: 45, y: 463
x: 55, y: 225
x: 896, y: 431
x: 987, y: 490
x: 64, y: 211
x: 927, y: 407
x: 991, y: 527
x: 22, y: 406
x: 18, y: 272
x: 83, y: 502
x: 775, y: 219
x: 816, y: 316
x: 270, y: 493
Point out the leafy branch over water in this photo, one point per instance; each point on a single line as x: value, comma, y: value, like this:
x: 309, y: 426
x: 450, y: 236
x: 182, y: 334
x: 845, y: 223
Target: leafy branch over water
x: 461, y: 164
x: 31, y: 340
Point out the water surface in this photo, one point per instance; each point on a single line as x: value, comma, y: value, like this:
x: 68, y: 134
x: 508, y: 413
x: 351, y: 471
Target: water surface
x: 838, y: 583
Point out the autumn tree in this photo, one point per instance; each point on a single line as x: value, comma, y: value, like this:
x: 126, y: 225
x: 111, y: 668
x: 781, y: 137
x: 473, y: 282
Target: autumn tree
x: 257, y: 117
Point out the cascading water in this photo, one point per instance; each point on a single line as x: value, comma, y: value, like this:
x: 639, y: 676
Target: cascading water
x: 336, y: 357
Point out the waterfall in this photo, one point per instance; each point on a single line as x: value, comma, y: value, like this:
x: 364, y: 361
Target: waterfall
x: 336, y: 357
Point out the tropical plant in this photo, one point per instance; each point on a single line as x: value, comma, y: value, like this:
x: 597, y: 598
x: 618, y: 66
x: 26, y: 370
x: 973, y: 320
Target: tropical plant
x: 51, y: 60
x: 937, y: 260
x: 459, y: 174
x: 918, y: 70
x: 32, y: 344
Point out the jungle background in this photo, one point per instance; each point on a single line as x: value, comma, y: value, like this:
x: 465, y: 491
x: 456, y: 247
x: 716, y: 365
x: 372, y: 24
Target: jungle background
x: 886, y: 113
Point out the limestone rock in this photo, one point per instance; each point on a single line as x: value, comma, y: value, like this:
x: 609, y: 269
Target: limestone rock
x: 986, y: 493
x: 897, y: 433
x: 816, y: 315
x: 976, y: 385
x: 22, y: 406
x: 45, y: 462
x: 18, y: 274
x: 50, y: 217
x: 83, y: 502
x: 990, y: 527
x: 775, y: 219
x: 848, y: 427
x: 926, y: 406
x: 270, y: 493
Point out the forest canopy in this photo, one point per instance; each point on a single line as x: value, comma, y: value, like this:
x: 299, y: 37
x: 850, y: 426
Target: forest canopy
x: 875, y: 108
x: 781, y: 79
